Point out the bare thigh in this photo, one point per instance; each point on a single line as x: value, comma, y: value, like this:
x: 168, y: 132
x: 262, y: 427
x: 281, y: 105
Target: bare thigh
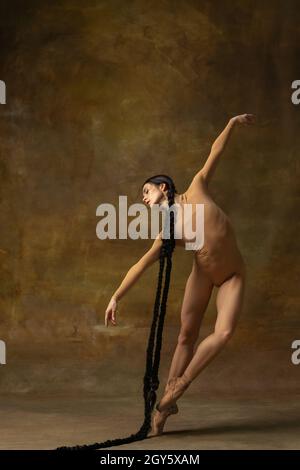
x: 197, y: 293
x: 229, y: 302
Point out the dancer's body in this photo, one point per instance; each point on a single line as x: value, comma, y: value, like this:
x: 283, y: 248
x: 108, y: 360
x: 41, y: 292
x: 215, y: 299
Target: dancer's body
x: 218, y: 263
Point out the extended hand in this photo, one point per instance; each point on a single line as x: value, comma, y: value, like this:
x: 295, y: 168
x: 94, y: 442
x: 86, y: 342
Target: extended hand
x: 110, y: 312
x: 245, y: 119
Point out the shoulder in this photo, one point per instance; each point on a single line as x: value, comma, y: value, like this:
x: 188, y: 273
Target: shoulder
x: 198, y: 183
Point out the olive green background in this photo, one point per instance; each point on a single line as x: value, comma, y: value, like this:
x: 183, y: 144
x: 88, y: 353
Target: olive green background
x: 100, y: 96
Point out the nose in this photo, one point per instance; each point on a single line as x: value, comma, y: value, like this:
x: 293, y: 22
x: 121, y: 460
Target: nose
x: 145, y: 200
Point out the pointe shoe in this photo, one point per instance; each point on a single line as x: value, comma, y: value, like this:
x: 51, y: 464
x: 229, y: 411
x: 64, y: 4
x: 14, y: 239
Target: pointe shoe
x: 167, y: 387
x: 176, y: 387
x: 159, y: 419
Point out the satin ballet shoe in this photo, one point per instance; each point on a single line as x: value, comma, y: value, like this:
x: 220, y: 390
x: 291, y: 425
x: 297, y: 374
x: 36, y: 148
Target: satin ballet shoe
x: 167, y: 387
x: 159, y: 419
x: 176, y: 387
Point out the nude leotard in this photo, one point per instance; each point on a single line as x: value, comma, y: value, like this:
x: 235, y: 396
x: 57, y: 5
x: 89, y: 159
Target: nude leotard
x: 219, y: 257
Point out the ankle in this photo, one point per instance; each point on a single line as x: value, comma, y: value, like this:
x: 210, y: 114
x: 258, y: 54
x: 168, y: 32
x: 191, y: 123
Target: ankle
x: 169, y: 382
x: 186, y: 379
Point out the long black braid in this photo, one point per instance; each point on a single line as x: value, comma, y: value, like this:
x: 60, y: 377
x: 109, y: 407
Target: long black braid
x: 151, y: 381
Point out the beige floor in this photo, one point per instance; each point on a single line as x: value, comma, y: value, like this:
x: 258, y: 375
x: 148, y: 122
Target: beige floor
x: 35, y: 422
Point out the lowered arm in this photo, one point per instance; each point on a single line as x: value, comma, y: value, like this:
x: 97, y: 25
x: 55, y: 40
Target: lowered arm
x: 138, y: 268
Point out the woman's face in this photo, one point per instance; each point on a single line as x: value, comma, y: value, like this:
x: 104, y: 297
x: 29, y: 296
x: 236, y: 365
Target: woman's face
x: 153, y: 194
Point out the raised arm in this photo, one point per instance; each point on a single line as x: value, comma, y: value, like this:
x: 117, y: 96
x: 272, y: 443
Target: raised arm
x: 131, y: 277
x: 219, y: 145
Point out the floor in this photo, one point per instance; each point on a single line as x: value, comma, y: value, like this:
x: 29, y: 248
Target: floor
x: 47, y: 422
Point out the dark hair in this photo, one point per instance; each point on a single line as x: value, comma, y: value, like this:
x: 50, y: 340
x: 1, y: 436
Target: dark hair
x: 151, y: 381
x: 157, y: 179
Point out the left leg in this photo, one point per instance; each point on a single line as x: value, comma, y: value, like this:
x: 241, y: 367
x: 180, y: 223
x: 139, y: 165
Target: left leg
x: 229, y: 303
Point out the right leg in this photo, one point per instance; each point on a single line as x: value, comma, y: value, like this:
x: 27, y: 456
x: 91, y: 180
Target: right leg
x: 196, y: 297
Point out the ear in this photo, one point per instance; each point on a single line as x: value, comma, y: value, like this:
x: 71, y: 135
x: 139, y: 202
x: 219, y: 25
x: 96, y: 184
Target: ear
x: 163, y: 186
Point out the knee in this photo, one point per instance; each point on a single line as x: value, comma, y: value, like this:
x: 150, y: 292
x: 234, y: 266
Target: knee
x: 224, y: 335
x: 187, y: 338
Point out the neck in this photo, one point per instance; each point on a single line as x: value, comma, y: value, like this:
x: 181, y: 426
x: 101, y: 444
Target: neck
x: 176, y: 200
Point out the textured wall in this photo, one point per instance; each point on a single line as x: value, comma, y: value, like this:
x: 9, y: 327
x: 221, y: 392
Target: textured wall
x: 101, y: 95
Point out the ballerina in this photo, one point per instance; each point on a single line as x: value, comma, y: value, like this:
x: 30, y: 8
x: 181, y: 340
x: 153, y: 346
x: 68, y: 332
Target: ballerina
x: 217, y: 263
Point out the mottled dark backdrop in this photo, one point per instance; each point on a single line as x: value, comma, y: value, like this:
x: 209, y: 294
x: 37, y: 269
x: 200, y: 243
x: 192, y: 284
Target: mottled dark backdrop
x: 101, y: 95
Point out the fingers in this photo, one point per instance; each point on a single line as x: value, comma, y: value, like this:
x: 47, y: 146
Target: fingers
x: 113, y: 314
x: 250, y: 118
x: 245, y: 119
x: 107, y: 315
x: 110, y: 316
x: 110, y: 313
x: 106, y: 319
